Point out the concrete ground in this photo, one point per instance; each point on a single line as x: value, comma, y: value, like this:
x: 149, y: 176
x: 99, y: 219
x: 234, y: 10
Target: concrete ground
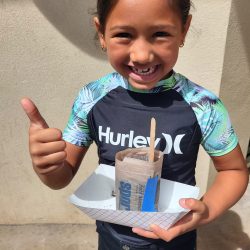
x: 48, y: 237
x: 230, y: 232
x: 216, y: 236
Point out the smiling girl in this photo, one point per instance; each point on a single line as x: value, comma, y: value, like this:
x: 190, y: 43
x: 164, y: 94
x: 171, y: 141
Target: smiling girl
x: 142, y: 41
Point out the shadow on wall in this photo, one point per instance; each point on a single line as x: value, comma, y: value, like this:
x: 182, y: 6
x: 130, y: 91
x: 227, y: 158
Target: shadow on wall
x: 242, y: 13
x: 224, y: 233
x: 74, y: 20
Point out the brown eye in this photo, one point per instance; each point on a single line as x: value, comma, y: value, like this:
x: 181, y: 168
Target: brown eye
x: 123, y: 35
x: 161, y: 34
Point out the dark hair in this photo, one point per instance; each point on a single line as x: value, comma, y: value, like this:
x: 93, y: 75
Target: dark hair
x: 104, y: 7
x: 183, y: 7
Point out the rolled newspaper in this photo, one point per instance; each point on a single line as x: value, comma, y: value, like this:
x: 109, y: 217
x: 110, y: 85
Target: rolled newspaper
x: 133, y: 172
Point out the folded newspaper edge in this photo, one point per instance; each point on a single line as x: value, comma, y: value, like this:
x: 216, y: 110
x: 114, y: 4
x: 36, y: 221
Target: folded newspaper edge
x: 94, y: 198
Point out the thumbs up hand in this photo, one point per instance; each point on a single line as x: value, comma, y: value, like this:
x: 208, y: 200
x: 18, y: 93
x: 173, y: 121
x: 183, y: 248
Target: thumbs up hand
x: 47, y: 148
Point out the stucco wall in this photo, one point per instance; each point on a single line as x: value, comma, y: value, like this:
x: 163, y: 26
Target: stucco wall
x: 235, y: 83
x: 47, y: 52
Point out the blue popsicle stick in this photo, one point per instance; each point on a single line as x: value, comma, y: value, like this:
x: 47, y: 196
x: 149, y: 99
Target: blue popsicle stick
x: 148, y: 204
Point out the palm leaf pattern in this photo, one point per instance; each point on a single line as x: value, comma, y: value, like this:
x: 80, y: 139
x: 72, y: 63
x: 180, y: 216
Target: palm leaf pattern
x: 77, y: 130
x: 218, y: 136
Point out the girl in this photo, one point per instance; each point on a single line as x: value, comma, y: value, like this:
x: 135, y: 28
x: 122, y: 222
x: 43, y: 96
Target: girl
x: 142, y: 41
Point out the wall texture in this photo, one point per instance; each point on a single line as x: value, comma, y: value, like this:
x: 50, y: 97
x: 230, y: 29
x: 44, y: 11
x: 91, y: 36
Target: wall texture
x: 47, y: 52
x: 235, y: 83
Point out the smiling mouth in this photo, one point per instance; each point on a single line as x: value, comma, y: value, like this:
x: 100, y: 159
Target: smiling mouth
x: 145, y: 71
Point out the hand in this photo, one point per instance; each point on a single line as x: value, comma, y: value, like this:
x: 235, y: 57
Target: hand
x: 47, y: 148
x: 190, y: 221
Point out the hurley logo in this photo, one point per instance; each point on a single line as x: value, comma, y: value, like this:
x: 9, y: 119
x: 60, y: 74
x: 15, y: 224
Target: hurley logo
x: 131, y: 140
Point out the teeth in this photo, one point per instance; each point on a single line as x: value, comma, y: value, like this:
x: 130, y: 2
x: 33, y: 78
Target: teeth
x: 146, y: 71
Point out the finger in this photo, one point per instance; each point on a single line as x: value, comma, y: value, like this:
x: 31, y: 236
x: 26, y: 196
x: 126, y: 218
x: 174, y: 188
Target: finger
x: 46, y: 135
x: 185, y: 224
x: 161, y: 233
x: 43, y: 149
x: 48, y: 169
x: 196, y: 206
x: 174, y: 231
x: 48, y: 160
x: 169, y: 234
x: 145, y: 233
x: 33, y: 113
x: 186, y: 219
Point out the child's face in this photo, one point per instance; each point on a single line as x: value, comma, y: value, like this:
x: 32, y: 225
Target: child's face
x: 143, y: 39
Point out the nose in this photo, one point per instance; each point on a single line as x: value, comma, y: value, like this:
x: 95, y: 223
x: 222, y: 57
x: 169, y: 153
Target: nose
x: 141, y: 52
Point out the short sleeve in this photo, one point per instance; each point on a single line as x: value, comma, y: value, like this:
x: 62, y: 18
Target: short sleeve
x: 218, y: 136
x: 77, y: 129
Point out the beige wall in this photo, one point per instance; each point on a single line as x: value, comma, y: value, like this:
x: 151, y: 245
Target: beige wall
x: 235, y: 81
x: 235, y: 87
x: 47, y: 52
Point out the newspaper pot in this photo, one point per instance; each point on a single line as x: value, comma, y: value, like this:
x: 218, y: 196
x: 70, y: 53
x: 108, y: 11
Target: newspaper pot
x: 133, y: 170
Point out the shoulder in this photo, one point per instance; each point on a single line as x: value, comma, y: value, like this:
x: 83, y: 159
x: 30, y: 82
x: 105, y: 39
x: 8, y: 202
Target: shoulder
x: 204, y: 103
x: 218, y: 136
x: 102, y: 86
x: 196, y: 95
x: 92, y: 92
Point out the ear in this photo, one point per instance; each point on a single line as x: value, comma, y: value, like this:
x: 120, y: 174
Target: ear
x: 187, y: 26
x: 99, y: 32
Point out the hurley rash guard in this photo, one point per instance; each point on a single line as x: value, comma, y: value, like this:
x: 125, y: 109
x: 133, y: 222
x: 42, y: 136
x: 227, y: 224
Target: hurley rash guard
x: 116, y: 116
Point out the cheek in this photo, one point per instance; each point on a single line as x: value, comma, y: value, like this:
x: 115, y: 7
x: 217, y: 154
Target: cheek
x: 117, y: 55
x: 168, y: 53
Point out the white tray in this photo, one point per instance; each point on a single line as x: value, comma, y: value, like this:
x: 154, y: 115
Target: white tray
x: 94, y: 198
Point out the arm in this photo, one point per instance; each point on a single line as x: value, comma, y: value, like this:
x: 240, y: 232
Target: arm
x: 229, y: 185
x: 54, y: 160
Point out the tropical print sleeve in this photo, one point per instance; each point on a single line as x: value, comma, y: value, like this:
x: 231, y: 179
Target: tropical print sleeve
x: 218, y: 136
x: 77, y: 131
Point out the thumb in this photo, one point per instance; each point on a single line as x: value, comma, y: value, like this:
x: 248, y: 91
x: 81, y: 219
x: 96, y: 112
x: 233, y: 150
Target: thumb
x: 196, y: 206
x: 33, y: 114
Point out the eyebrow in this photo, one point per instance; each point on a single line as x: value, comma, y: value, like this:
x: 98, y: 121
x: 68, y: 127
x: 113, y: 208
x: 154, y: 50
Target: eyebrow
x: 164, y: 26
x: 159, y: 27
x: 121, y: 27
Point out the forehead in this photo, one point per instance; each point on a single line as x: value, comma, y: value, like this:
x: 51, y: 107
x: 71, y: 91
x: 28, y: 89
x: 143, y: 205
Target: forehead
x: 143, y: 12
